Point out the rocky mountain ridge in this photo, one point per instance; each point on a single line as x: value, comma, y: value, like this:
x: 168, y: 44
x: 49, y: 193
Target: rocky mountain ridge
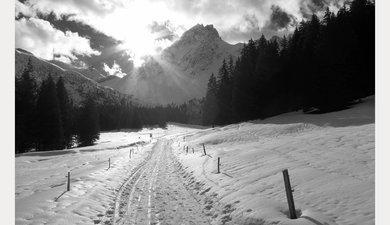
x: 181, y: 71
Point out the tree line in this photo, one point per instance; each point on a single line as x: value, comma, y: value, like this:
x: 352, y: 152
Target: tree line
x: 46, y: 118
x: 325, y: 65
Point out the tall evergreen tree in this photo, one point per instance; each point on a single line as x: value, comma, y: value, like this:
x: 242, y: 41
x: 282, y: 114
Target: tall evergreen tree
x: 25, y: 110
x: 50, y: 133
x: 284, y: 48
x: 88, y: 123
x: 224, y: 95
x: 210, y: 108
x: 66, y: 111
x: 362, y: 19
x: 230, y: 67
x: 309, y: 53
x: 244, y: 91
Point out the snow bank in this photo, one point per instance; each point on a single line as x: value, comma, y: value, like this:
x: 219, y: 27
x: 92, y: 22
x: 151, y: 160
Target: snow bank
x: 330, y: 158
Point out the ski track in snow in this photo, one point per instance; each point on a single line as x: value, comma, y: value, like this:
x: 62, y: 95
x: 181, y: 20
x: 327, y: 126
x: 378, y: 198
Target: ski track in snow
x: 155, y: 194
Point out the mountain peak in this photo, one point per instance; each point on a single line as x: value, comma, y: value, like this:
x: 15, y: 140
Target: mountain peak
x: 200, y: 32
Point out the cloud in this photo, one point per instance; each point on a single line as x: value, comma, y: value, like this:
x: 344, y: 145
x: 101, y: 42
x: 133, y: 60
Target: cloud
x: 89, y: 12
x: 144, y: 26
x: 115, y: 70
x: 272, y: 17
x: 22, y: 9
x: 218, y: 8
x: 132, y: 17
x: 280, y: 19
x: 41, y: 38
x: 80, y: 8
x: 163, y: 30
x: 247, y: 27
x: 319, y: 3
x: 310, y: 7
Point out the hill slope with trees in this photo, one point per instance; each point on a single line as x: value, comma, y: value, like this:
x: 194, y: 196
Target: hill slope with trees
x: 326, y: 65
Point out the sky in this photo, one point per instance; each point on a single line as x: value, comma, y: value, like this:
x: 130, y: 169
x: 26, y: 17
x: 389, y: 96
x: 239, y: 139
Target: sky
x: 144, y: 27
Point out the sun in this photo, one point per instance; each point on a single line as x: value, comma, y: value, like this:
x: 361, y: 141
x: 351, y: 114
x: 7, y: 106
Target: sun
x: 131, y: 25
x: 138, y: 45
x: 136, y: 39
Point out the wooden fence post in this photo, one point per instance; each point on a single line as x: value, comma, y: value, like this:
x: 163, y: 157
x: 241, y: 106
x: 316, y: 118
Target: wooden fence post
x: 187, y: 149
x: 290, y: 199
x: 68, y: 186
x: 109, y: 163
x: 193, y: 151
x: 218, y: 164
x: 204, y: 150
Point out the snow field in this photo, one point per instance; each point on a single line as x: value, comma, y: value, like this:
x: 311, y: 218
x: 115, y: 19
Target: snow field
x: 40, y: 182
x: 330, y: 158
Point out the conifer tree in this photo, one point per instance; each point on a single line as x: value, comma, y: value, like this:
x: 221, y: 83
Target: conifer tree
x: 262, y: 48
x: 244, y: 86
x: 25, y: 110
x: 210, y: 108
x: 50, y: 133
x: 224, y: 96
x: 236, y: 91
x: 284, y: 48
x: 88, y: 123
x: 66, y: 110
x: 309, y: 50
x: 230, y: 67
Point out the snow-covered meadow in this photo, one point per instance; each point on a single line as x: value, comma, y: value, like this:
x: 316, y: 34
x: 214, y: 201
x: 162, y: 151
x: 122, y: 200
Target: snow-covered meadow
x: 40, y: 181
x: 330, y: 158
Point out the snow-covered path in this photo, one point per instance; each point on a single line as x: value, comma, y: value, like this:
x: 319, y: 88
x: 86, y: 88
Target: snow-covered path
x: 155, y: 194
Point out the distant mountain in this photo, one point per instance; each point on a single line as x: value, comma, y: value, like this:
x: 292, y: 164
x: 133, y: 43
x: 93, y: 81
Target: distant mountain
x: 90, y: 72
x: 200, y: 49
x: 79, y: 82
x: 181, y: 71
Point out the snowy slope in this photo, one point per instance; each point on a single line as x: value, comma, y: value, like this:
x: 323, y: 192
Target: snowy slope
x: 330, y: 159
x: 181, y: 71
x: 90, y: 72
x: 78, y: 83
x: 40, y: 181
x: 87, y: 73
